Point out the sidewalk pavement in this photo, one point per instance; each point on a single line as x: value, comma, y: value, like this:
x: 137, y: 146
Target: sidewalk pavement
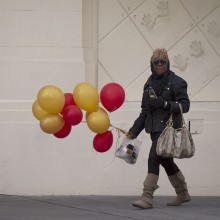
x: 104, y: 208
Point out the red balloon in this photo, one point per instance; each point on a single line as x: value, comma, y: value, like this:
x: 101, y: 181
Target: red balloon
x: 64, y: 132
x: 68, y: 101
x: 72, y: 115
x: 103, y: 142
x: 112, y: 96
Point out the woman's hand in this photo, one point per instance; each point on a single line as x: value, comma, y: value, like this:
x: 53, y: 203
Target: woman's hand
x: 130, y: 135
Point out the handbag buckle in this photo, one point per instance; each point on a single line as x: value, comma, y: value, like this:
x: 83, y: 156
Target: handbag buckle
x: 169, y: 123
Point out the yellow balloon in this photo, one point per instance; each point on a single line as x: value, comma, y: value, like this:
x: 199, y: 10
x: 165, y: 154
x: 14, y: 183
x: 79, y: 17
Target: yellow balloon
x: 51, y: 123
x: 100, y: 109
x: 51, y: 99
x: 37, y: 111
x: 86, y: 97
x: 98, y: 121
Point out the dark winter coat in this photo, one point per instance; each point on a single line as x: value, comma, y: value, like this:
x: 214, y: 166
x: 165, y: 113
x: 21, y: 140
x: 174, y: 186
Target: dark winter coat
x: 154, y: 120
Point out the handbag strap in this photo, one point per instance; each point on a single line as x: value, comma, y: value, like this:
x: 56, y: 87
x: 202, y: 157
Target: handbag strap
x: 181, y: 110
x: 170, y: 121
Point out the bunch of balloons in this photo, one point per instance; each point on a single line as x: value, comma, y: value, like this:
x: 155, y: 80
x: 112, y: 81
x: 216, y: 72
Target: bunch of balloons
x: 58, y: 111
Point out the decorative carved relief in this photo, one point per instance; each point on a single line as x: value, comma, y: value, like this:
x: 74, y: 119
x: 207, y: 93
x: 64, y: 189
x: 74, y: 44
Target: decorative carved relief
x: 130, y: 5
x: 194, y: 46
x: 214, y: 29
x: 163, y: 8
x: 149, y: 22
x: 180, y: 62
x: 196, y: 49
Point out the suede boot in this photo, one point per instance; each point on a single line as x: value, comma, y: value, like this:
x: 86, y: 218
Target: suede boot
x: 150, y: 185
x: 178, y: 182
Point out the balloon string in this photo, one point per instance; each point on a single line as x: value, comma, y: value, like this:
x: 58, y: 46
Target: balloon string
x: 119, y: 129
x: 117, y: 141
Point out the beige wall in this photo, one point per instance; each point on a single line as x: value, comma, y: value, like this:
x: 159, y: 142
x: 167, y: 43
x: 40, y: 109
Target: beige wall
x: 64, y: 42
x: 40, y: 44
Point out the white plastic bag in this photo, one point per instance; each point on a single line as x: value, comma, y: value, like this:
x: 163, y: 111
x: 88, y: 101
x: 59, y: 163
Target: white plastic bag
x: 129, y: 150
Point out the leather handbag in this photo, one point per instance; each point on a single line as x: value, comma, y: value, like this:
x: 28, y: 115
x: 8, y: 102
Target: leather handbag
x: 175, y: 143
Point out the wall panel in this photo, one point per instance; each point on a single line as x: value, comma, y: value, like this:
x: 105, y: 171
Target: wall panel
x: 189, y: 30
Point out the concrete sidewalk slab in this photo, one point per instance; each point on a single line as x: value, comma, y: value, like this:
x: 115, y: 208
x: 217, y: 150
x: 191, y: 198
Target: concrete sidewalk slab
x: 104, y: 208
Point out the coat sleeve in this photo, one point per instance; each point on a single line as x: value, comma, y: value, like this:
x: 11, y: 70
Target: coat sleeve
x: 139, y: 123
x: 180, y: 96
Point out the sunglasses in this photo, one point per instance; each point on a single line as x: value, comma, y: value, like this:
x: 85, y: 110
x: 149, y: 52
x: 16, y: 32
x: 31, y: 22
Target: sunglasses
x: 157, y: 62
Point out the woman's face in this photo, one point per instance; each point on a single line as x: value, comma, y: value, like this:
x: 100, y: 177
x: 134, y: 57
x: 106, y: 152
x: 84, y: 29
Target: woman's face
x: 160, y: 66
x: 160, y: 61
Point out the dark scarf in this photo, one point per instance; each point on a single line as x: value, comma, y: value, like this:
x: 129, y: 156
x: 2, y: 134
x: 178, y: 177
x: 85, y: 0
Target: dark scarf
x: 158, y: 82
